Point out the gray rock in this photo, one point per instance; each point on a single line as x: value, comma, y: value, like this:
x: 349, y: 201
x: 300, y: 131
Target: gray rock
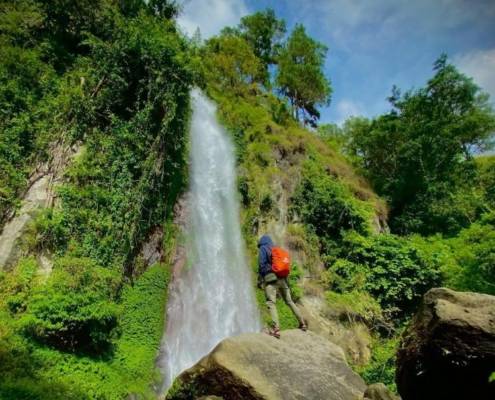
x: 40, y: 193
x: 378, y: 391
x: 353, y: 337
x: 301, y: 365
x: 209, y: 398
x: 448, y: 351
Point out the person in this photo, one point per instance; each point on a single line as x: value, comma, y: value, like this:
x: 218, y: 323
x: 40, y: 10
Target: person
x: 272, y: 284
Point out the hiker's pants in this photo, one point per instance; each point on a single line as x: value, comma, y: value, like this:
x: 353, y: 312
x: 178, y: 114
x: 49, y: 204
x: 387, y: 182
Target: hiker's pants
x: 271, y: 299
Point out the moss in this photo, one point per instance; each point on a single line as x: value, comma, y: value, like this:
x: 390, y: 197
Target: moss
x: 184, y: 391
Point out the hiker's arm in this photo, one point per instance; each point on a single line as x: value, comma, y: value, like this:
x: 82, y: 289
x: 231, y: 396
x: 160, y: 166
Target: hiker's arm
x: 261, y: 256
x: 264, y: 261
x: 260, y: 261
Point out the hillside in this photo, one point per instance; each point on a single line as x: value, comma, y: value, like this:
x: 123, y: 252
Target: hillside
x: 94, y: 144
x: 112, y: 86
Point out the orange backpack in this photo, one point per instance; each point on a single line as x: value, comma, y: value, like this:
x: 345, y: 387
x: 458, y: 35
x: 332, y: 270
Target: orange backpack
x: 280, y: 262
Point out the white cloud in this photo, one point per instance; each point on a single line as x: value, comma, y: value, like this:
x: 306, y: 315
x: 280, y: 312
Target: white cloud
x: 364, y: 24
x: 347, y: 108
x: 479, y: 64
x: 210, y: 15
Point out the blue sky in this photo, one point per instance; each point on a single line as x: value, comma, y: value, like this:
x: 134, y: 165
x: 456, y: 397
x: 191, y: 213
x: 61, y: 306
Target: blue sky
x: 373, y: 44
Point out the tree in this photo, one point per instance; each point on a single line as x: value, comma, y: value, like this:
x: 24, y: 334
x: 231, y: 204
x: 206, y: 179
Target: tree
x: 300, y: 75
x: 231, y: 58
x: 167, y: 9
x: 264, y: 32
x: 420, y: 154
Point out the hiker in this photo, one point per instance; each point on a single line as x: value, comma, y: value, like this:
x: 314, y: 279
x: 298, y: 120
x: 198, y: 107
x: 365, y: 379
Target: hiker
x: 268, y: 265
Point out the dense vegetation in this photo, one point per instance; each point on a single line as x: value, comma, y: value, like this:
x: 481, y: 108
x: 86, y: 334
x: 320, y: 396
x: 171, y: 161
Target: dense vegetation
x: 112, y: 79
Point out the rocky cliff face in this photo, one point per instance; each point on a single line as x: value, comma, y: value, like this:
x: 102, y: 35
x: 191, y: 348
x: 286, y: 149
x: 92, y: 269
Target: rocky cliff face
x: 448, y: 351
x: 40, y: 194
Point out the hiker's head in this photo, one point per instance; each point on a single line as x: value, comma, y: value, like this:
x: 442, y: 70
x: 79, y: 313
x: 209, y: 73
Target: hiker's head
x: 265, y: 240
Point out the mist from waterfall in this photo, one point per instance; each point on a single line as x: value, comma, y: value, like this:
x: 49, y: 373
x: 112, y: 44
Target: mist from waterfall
x: 212, y: 296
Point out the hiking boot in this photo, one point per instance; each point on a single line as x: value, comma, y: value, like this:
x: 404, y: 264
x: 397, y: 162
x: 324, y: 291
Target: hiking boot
x: 303, y: 327
x: 275, y: 332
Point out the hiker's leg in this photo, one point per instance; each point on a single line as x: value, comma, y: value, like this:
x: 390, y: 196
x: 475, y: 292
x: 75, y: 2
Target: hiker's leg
x: 271, y: 298
x: 284, y: 288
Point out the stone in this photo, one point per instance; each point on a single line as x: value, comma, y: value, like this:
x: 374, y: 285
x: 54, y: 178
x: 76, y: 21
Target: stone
x: 40, y: 193
x: 299, y: 365
x: 448, y: 350
x: 378, y: 391
x: 209, y: 398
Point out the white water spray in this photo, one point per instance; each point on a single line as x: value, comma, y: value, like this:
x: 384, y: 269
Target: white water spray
x: 212, y: 297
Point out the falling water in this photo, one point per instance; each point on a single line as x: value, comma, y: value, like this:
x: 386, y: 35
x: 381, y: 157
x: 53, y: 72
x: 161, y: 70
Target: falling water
x: 212, y: 297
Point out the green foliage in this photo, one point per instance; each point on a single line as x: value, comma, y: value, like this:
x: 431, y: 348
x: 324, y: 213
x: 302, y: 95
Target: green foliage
x: 420, y: 154
x: 24, y: 81
x: 16, y: 285
x: 334, y: 135
x: 264, y: 32
x: 47, y: 232
x: 183, y: 391
x: 75, y: 309
x: 486, y: 173
x: 328, y: 207
x: 300, y: 74
x: 354, y: 305
x: 381, y: 367
x: 388, y: 267
x: 231, y: 59
x: 141, y: 326
x: 96, y: 86
x: 293, y: 280
x: 38, y: 372
x: 474, y: 251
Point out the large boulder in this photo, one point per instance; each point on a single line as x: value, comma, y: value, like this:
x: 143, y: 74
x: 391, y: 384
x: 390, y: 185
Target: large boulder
x: 299, y: 365
x: 448, y: 351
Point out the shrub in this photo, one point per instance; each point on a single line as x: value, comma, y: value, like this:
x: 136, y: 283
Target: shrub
x: 18, y: 284
x: 389, y: 267
x: 474, y: 251
x: 75, y: 310
x: 49, y: 230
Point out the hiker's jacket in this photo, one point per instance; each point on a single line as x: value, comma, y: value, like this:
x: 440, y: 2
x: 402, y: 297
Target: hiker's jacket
x: 265, y: 255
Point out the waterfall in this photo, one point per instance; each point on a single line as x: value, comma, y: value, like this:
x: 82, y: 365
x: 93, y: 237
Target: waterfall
x: 212, y: 296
